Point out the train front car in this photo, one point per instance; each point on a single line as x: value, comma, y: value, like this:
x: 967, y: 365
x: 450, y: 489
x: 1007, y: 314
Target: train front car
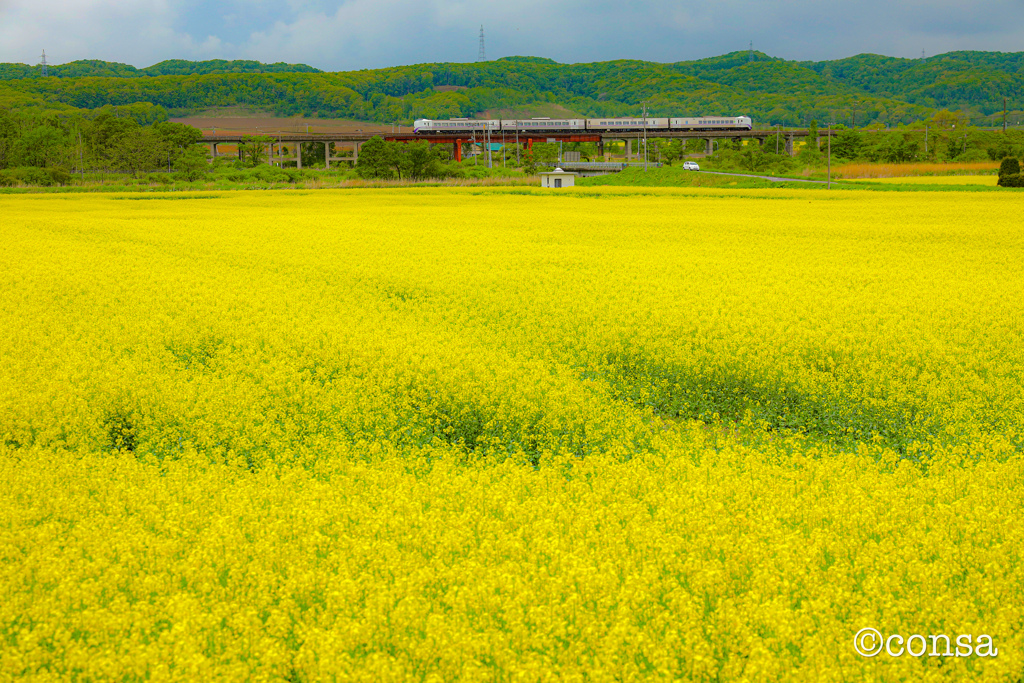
x: 456, y: 126
x: 626, y: 125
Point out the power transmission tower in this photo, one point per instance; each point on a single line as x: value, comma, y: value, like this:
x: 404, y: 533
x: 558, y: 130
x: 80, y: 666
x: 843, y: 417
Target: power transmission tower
x: 481, y: 55
x: 750, y: 52
x: 43, y: 64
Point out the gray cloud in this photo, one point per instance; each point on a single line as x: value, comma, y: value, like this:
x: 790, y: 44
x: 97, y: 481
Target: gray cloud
x: 353, y: 34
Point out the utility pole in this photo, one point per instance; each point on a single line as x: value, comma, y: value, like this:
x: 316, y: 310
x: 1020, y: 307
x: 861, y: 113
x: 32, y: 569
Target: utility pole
x: 518, y: 163
x: 645, y: 136
x: 488, y: 135
x: 926, y: 139
x: 778, y: 129
x: 829, y: 156
x: 1004, y: 116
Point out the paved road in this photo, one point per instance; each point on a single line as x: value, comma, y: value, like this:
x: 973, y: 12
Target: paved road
x: 767, y: 177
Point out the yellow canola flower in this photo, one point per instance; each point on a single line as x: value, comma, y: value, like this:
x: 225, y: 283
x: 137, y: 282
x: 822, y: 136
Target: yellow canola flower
x: 502, y: 435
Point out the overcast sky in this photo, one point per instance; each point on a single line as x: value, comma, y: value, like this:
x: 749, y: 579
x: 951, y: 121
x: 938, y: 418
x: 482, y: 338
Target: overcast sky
x: 356, y: 34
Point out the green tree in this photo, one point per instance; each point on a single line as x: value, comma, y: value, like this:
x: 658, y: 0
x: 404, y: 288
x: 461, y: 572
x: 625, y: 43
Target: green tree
x: 847, y: 145
x: 313, y: 153
x: 138, y: 149
x: 754, y: 159
x: 545, y: 152
x: 178, y: 136
x: 192, y: 163
x: 1009, y: 173
x: 8, y: 138
x: 424, y: 160
x: 671, y: 150
x: 43, y: 146
x: 529, y: 162
x: 956, y: 145
x: 254, y: 149
x: 376, y: 159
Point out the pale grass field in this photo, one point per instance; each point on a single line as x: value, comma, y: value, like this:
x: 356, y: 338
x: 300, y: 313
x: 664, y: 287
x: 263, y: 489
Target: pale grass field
x: 989, y: 180
x: 867, y: 170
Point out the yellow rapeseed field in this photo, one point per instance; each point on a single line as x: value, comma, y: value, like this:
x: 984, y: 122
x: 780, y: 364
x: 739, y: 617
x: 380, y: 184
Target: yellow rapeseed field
x: 500, y: 435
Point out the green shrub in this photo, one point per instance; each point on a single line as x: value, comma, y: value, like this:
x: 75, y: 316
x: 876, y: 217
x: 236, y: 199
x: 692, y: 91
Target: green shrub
x: 1009, y: 166
x: 1013, y: 180
x: 31, y: 175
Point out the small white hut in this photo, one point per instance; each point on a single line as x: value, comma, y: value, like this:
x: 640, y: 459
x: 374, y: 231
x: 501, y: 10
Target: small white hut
x: 557, y: 178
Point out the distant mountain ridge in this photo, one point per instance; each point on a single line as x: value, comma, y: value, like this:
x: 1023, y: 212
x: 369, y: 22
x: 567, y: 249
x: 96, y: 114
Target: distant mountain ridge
x: 857, y: 90
x: 171, y: 67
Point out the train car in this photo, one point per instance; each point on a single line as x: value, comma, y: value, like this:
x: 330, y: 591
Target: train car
x: 542, y: 125
x: 450, y: 126
x: 713, y: 123
x: 614, y: 124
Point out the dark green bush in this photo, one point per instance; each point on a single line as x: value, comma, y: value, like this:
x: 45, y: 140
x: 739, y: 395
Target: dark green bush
x: 1012, y: 180
x: 1009, y: 166
x: 31, y: 175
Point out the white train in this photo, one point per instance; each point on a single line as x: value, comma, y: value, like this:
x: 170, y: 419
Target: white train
x: 598, y: 125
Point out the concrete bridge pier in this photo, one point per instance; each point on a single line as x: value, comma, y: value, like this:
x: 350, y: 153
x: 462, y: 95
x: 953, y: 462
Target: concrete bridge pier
x: 213, y: 152
x: 789, y: 145
x: 626, y: 145
x: 298, y: 155
x: 710, y: 148
x: 355, y: 153
x: 327, y: 155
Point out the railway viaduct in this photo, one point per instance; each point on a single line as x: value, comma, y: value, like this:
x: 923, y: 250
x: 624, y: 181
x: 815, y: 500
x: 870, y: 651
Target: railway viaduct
x: 276, y: 155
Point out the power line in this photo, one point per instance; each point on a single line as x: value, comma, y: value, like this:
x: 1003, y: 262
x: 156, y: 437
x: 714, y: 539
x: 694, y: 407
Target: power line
x: 482, y: 54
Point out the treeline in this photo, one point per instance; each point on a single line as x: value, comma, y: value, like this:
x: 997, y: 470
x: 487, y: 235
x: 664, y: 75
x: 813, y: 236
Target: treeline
x: 84, y: 68
x: 945, y: 137
x: 44, y: 150
x: 857, y: 91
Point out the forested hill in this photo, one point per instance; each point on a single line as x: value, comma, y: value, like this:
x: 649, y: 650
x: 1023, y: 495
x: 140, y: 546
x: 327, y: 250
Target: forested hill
x: 171, y: 67
x: 960, y: 79
x: 862, y: 89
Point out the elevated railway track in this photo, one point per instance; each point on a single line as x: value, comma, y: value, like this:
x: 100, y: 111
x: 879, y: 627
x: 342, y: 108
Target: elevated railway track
x: 279, y: 141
